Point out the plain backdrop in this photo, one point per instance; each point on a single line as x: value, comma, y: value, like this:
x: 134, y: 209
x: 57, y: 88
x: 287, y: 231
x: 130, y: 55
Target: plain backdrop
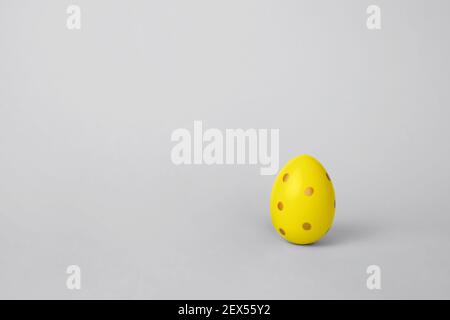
x: 86, y: 118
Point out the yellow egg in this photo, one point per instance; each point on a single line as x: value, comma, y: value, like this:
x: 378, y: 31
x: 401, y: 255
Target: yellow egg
x: 302, y: 202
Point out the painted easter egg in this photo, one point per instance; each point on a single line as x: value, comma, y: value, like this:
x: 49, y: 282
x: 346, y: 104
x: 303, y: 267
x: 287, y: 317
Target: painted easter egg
x: 302, y: 202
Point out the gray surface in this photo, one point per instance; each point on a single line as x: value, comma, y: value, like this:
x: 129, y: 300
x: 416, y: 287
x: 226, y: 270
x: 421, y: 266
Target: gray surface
x: 85, y: 124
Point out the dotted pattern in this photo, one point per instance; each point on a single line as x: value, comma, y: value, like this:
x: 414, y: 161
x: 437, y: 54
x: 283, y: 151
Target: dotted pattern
x: 309, y: 191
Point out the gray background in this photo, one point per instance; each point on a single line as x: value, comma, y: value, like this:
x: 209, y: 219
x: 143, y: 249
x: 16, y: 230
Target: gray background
x: 85, y: 124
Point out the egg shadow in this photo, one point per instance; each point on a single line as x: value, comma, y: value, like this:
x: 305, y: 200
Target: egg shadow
x: 348, y: 232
